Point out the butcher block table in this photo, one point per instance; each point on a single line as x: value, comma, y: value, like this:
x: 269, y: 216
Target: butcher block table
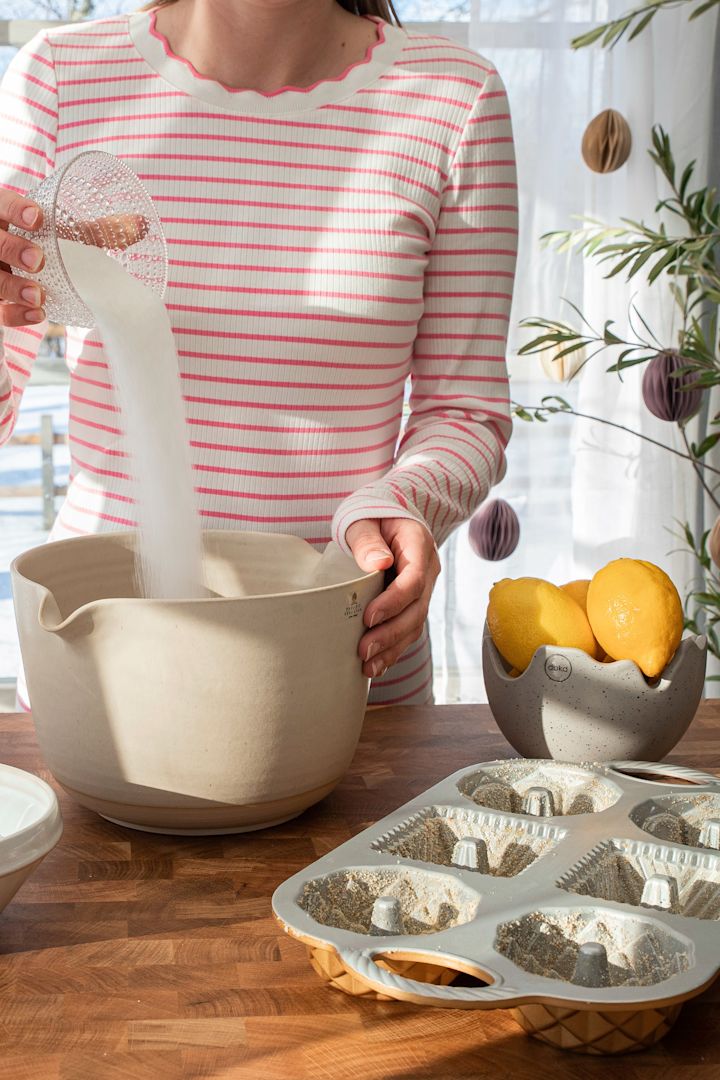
x: 134, y: 955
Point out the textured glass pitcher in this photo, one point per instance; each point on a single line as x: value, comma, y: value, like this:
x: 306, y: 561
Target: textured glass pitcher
x: 95, y: 199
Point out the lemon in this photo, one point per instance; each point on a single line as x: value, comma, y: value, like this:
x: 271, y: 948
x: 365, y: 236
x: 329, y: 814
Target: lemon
x: 636, y: 614
x: 525, y: 613
x: 578, y: 589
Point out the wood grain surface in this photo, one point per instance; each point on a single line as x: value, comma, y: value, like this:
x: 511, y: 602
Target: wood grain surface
x: 132, y: 955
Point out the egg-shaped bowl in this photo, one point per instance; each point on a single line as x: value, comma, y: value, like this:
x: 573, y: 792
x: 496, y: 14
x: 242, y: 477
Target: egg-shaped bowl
x: 568, y: 706
x: 30, y: 827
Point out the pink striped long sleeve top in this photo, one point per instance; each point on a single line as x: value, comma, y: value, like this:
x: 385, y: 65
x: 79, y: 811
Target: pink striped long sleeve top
x: 325, y: 244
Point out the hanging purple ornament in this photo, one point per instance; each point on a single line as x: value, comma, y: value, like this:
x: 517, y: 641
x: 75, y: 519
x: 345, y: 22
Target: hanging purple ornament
x: 664, y: 393
x: 494, y: 531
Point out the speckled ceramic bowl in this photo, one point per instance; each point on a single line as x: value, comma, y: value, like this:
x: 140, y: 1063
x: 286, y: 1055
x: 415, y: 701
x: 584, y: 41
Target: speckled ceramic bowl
x: 567, y: 706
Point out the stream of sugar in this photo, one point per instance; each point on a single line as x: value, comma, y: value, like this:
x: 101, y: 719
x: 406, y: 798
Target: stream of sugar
x: 139, y: 345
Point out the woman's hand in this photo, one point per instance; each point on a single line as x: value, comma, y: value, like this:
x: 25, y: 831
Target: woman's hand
x: 396, y: 617
x: 21, y: 301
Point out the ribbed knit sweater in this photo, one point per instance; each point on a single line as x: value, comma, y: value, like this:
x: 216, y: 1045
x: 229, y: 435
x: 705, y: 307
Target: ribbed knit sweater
x: 325, y: 243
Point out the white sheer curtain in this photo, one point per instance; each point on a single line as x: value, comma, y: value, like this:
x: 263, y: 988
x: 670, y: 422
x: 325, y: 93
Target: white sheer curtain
x: 585, y: 493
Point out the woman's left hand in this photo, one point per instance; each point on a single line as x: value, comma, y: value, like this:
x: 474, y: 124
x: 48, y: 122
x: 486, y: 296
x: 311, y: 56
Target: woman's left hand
x: 396, y: 617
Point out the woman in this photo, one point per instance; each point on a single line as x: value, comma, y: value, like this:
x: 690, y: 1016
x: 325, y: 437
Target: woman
x: 339, y: 199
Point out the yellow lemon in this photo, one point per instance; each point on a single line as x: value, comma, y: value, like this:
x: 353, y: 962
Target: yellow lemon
x: 525, y: 613
x: 578, y: 589
x: 636, y: 613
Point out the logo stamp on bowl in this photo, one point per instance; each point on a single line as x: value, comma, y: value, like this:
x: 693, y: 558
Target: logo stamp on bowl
x: 353, y: 607
x: 558, y: 667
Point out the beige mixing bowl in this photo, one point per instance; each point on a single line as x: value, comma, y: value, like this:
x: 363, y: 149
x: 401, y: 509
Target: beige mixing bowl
x: 203, y: 716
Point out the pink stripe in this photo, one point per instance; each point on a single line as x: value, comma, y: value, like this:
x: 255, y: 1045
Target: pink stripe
x: 399, y: 700
x: 225, y: 380
x: 103, y: 493
x: 263, y: 496
x: 22, y: 168
x: 22, y: 122
x: 263, y: 519
x: 281, y: 144
x: 298, y: 315
x: 38, y: 82
x: 322, y: 452
x: 415, y: 95
x: 26, y: 149
x: 22, y: 372
x: 305, y: 407
x: 404, y: 678
x: 127, y: 522
x: 497, y: 272
x: 312, y: 250
x: 95, y: 45
x: 42, y: 59
x: 397, y: 116
x: 281, y: 361
x: 76, y: 419
x: 96, y: 470
x: 324, y: 230
x: 297, y: 474
x: 451, y: 377
x: 103, y: 60
x: 465, y: 315
x: 315, y: 165
x: 314, y: 293
x: 441, y: 60
x: 30, y: 102
x: 305, y: 271
x: 443, y: 77
x: 93, y: 404
x: 264, y: 182
x: 194, y: 331
x: 285, y: 429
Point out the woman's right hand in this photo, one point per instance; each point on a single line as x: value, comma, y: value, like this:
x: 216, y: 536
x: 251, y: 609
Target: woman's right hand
x: 21, y: 300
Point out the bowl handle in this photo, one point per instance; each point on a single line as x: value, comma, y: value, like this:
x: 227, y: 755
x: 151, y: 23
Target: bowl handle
x: 361, y: 963
x: 663, y: 768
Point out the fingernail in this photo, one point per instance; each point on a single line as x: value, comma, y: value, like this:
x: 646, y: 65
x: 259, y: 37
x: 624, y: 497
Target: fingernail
x: 32, y: 258
x: 378, y: 556
x: 30, y: 216
x: 378, y: 669
x: 373, y: 650
x: 31, y: 295
x: 376, y: 617
x: 34, y: 316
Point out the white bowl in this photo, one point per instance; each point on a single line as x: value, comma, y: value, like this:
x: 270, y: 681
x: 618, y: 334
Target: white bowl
x: 567, y: 706
x: 222, y: 714
x: 30, y: 827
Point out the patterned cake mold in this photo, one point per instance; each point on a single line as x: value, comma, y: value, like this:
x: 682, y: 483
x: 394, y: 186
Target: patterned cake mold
x: 689, y: 819
x: 539, y: 788
x: 487, y: 843
x: 427, y: 906
x: 652, y: 876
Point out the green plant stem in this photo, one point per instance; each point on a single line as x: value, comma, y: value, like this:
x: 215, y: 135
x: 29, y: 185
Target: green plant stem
x: 621, y: 427
x: 696, y: 466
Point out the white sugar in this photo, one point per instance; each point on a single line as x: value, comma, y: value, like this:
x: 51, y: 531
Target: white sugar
x: 141, y: 351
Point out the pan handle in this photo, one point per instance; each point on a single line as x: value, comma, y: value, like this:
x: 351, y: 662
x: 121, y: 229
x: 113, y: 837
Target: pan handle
x: 664, y: 768
x: 362, y: 964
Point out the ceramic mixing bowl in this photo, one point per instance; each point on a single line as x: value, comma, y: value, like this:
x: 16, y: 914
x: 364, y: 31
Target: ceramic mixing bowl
x: 567, y: 706
x: 222, y: 714
x: 30, y: 827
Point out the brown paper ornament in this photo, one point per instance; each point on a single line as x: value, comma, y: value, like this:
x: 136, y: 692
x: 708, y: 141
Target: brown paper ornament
x: 606, y: 142
x: 561, y: 368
